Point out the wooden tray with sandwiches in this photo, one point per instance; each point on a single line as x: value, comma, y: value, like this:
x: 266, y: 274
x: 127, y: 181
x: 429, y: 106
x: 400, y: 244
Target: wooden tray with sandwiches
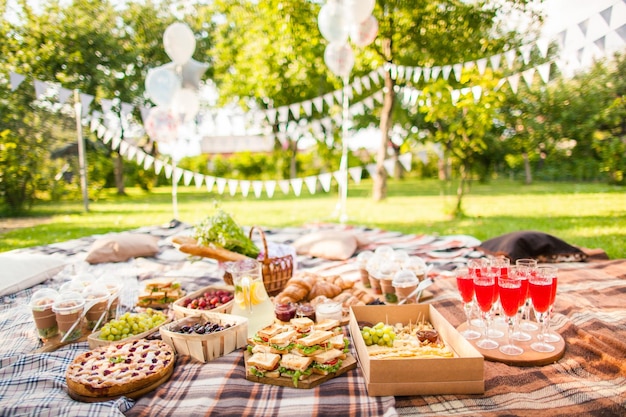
x: 299, y: 354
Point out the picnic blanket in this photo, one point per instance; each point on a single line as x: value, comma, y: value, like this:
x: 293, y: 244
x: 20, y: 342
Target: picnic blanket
x: 589, y: 379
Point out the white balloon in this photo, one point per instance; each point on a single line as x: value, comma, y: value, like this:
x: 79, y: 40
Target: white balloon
x: 359, y: 10
x: 364, y: 33
x: 192, y: 72
x: 161, y: 84
x: 333, y: 22
x: 161, y: 125
x: 339, y: 58
x: 179, y: 42
x: 185, y: 104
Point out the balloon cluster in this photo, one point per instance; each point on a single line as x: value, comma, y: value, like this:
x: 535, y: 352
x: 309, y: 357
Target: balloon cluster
x: 340, y: 19
x: 173, y: 87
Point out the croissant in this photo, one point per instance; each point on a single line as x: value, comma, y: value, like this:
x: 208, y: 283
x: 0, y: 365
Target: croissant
x: 296, y: 289
x: 344, y: 284
x: 324, y: 288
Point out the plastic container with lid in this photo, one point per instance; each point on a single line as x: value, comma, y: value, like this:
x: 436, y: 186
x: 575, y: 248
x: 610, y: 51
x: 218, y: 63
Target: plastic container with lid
x: 96, y: 299
x: 362, y: 259
x: 68, y: 309
x: 405, y: 282
x: 385, y: 275
x: 329, y: 310
x: 41, y: 304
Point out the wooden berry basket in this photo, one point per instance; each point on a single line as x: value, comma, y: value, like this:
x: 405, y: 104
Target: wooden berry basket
x: 181, y: 312
x: 206, y: 347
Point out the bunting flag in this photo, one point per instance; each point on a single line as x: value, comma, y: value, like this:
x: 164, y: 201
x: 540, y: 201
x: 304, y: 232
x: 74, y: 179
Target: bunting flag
x: 15, y: 80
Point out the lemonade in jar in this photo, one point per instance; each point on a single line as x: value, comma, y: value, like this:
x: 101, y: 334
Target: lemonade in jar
x: 251, y: 299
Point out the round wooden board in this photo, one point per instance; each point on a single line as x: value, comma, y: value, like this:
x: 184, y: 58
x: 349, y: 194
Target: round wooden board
x: 528, y: 358
x: 133, y: 394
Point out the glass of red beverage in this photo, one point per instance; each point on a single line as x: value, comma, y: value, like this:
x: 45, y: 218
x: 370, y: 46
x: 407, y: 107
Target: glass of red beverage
x: 550, y: 336
x: 484, y: 287
x: 540, y: 286
x: 465, y: 285
x: 518, y: 273
x: 527, y: 267
x: 510, y: 299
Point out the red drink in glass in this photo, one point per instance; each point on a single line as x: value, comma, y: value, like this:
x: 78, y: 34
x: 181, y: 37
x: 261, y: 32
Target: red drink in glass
x: 523, y: 291
x: 541, y: 294
x: 466, y: 288
x: 510, y: 295
x: 484, y: 294
x: 553, y: 292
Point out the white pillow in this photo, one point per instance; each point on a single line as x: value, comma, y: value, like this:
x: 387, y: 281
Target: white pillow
x: 19, y: 271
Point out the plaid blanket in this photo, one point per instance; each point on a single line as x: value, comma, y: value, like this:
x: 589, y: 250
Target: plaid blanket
x: 590, y: 379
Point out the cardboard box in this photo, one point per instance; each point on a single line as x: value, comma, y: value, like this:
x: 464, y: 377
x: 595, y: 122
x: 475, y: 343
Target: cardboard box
x: 462, y: 374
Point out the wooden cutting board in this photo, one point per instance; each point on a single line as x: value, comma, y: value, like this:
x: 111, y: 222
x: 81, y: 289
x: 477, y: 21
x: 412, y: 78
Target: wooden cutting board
x: 528, y: 358
x: 311, y: 382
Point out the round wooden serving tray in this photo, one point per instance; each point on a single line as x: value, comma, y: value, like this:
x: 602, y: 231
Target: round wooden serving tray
x: 528, y: 358
x: 133, y: 394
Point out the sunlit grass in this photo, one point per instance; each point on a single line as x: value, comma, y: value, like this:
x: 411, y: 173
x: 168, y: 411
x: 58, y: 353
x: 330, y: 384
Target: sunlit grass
x: 589, y: 215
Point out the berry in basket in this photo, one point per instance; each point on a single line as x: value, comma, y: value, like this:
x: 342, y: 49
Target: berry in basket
x: 209, y: 300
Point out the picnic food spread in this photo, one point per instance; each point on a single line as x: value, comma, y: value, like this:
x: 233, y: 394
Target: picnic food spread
x: 120, y: 369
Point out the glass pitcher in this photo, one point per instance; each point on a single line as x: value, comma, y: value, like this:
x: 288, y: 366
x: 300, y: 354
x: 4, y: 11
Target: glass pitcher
x: 251, y: 299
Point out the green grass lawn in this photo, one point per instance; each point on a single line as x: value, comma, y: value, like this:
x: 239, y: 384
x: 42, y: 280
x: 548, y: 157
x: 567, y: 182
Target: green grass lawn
x: 588, y: 215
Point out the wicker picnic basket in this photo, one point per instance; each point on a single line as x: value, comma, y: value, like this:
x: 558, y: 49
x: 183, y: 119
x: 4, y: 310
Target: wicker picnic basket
x: 276, y: 271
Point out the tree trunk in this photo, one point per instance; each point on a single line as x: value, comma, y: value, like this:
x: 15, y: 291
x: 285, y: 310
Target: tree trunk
x: 293, y: 147
x: 460, y: 191
x: 528, y: 176
x: 380, y: 180
x: 118, y: 170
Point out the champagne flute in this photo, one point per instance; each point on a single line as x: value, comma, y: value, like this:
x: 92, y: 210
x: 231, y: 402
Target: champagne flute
x: 540, y: 292
x: 500, y: 267
x: 518, y: 273
x: 510, y: 295
x: 465, y: 284
x: 478, y: 267
x: 528, y: 267
x: 484, y: 287
x: 550, y: 336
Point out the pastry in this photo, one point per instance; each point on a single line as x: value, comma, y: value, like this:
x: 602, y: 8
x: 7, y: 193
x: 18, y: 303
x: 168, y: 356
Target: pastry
x: 325, y: 288
x: 119, y: 368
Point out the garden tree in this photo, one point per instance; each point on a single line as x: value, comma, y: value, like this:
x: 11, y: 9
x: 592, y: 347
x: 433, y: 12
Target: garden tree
x: 462, y: 124
x: 425, y: 33
x: 270, y: 51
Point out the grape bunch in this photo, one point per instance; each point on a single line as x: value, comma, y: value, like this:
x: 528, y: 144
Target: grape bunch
x: 209, y: 300
x: 199, y: 328
x: 380, y: 334
x: 130, y: 324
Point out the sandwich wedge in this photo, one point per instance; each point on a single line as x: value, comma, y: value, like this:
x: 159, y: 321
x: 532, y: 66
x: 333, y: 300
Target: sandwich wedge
x: 264, y: 365
x: 296, y: 367
x: 327, y: 362
x: 283, y: 342
x: 313, y: 343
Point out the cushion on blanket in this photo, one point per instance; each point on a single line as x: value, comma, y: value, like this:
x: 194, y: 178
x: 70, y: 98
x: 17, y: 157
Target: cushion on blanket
x: 530, y: 244
x: 333, y: 245
x: 122, y: 247
x: 22, y: 270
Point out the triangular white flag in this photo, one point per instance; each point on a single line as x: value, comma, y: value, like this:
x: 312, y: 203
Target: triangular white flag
x: 325, y: 179
x: 426, y: 74
x: 356, y: 174
x: 481, y: 64
x: 621, y: 31
x: 338, y: 176
x: 308, y: 107
x: 295, y: 110
x: 178, y: 174
x: 187, y: 177
x: 245, y: 187
x: 158, y: 166
x: 232, y: 187
x: 319, y: 104
x: 495, y: 61
x: 445, y: 71
x: 148, y: 161
x: 409, y: 73
x: 434, y: 74
x: 455, y: 95
x: 513, y: 82
x: 296, y: 184
x: 601, y: 43
x: 510, y: 57
x: 284, y: 186
x: 311, y: 183
x: 168, y: 171
x: 41, y: 89
x: 356, y: 84
x: 525, y: 51
x: 141, y: 156
x: 283, y: 113
x: 376, y: 74
x: 221, y: 185
x: 365, y: 80
x: 106, y: 105
x: 544, y: 72
x: 64, y: 94
x: 528, y: 75
x: 542, y: 46
x: 123, y: 147
x: 583, y: 26
x: 477, y: 92
x: 458, y: 69
x: 209, y: 181
x: 390, y: 166
x: 417, y: 74
x: 116, y: 141
x: 198, y: 179
x: 328, y: 98
x: 85, y: 101
x: 257, y: 187
x: 15, y: 79
x: 126, y: 109
x: 271, y: 116
x: 606, y: 15
x: 405, y: 160
x: 338, y: 96
x: 270, y: 187
x: 371, y: 170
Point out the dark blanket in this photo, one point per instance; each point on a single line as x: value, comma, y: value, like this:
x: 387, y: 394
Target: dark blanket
x: 530, y: 244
